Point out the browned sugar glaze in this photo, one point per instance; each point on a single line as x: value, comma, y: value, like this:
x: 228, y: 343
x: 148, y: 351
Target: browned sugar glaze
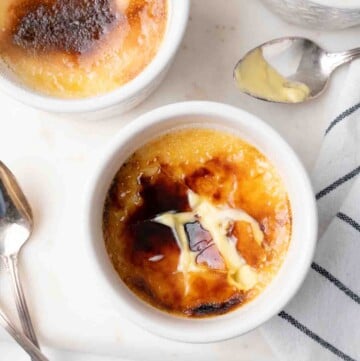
x: 155, y: 180
x: 73, y: 26
x: 65, y: 25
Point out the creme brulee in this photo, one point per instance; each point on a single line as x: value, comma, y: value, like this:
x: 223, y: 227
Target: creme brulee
x: 197, y: 222
x: 77, y: 49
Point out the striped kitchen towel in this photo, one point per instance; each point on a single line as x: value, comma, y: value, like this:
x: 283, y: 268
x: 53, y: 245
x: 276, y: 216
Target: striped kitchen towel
x: 322, y: 322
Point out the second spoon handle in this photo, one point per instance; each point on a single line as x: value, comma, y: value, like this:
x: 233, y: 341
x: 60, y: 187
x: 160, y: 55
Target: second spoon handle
x: 23, y: 341
x: 23, y: 311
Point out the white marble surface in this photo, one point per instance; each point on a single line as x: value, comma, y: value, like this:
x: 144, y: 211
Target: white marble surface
x: 52, y: 159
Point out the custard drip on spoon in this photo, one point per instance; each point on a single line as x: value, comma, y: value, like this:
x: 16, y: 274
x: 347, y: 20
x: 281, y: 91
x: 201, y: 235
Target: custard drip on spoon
x: 255, y: 76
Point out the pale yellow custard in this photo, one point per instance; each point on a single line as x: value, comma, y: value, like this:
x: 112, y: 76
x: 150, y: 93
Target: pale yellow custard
x: 77, y: 49
x: 255, y: 76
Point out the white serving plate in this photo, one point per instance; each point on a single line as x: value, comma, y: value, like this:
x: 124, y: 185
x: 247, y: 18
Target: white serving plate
x: 318, y: 14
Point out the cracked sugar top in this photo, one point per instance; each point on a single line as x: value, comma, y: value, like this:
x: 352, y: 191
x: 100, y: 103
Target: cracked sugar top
x: 197, y: 222
x: 80, y: 48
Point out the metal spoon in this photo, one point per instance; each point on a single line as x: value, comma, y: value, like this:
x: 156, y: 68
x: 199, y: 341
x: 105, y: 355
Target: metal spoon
x: 15, y: 228
x: 298, y: 60
x: 22, y: 340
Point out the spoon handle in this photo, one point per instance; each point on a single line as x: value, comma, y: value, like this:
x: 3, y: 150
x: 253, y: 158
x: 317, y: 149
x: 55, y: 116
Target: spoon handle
x: 344, y: 57
x: 21, y: 305
x: 20, y: 338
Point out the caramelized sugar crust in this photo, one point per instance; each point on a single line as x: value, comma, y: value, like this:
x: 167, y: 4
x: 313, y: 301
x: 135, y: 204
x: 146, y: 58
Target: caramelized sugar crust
x: 70, y: 26
x: 225, y: 170
x: 80, y: 48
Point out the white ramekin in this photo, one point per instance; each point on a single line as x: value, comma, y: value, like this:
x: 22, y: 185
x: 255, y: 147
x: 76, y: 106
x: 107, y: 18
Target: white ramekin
x: 125, y: 97
x: 299, y: 256
x: 320, y: 14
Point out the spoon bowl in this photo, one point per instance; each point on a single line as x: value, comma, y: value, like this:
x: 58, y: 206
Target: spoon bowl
x: 15, y: 229
x: 15, y: 214
x: 277, y: 68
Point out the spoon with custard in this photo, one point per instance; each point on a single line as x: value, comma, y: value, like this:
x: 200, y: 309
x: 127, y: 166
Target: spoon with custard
x: 288, y: 70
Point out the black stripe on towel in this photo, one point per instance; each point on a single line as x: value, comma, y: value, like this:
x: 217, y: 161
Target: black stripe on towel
x: 322, y: 271
x: 338, y: 183
x: 342, y: 116
x: 315, y: 337
x: 349, y: 221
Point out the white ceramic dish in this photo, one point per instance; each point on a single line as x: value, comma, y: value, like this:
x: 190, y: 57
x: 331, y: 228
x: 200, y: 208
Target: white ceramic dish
x: 300, y: 253
x: 321, y: 14
x: 125, y: 97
